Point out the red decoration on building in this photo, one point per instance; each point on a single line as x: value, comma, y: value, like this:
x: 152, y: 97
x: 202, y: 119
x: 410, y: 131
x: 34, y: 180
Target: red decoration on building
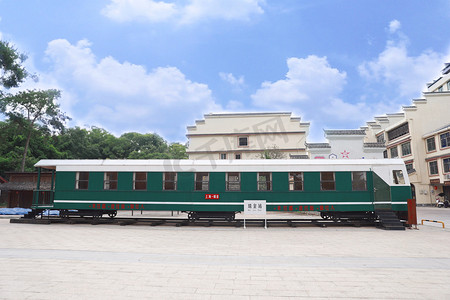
x: 345, y: 154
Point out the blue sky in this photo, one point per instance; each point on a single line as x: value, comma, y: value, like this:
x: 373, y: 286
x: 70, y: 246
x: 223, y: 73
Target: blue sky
x: 157, y: 66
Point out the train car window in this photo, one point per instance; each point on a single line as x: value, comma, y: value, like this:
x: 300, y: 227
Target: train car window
x: 359, y: 181
x: 398, y: 177
x: 233, y: 182
x: 296, y: 181
x: 82, y: 181
x: 110, y: 181
x: 327, y: 182
x: 264, y: 181
x: 170, y: 181
x: 139, y: 181
x: 202, y: 181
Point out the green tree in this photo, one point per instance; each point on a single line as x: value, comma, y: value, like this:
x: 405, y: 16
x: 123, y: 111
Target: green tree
x: 42, y: 145
x: 80, y: 143
x: 272, y: 153
x: 149, y: 142
x: 12, y: 73
x: 177, y: 151
x: 30, y: 108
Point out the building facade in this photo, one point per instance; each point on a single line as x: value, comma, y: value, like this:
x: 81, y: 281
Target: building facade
x: 248, y: 136
x: 420, y: 135
x: 346, y: 144
x: 18, y: 191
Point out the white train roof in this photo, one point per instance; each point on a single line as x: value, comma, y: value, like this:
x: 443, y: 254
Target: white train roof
x: 184, y: 165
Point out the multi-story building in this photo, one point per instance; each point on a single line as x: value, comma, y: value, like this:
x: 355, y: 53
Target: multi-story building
x: 420, y: 135
x: 247, y: 136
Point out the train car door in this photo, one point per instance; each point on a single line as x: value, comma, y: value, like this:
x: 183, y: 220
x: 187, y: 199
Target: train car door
x: 381, y: 189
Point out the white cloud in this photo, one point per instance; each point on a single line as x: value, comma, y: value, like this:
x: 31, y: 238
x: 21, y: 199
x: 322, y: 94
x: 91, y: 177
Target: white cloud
x: 236, y: 83
x: 234, y: 106
x: 311, y: 89
x: 180, y: 11
x: 121, y: 96
x: 148, y: 10
x: 219, y: 9
x: 308, y: 79
x: 394, y: 26
x: 396, y: 67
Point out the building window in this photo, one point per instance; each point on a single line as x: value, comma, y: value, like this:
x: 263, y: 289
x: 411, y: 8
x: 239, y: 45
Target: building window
x: 431, y: 144
x: 398, y: 132
x: 380, y: 139
x: 445, y: 140
x: 233, y: 181
x: 409, y: 168
x: 110, y: 181
x: 433, y: 167
x: 398, y: 177
x: 441, y: 88
x: 237, y: 156
x: 296, y: 181
x: 446, y: 165
x: 327, y: 182
x: 448, y: 85
x: 170, y: 181
x: 202, y: 181
x: 82, y: 181
x: 385, y: 154
x: 359, y: 181
x: 243, y: 141
x: 264, y: 181
x: 223, y: 156
x: 406, y: 149
x: 394, y: 152
x: 139, y: 181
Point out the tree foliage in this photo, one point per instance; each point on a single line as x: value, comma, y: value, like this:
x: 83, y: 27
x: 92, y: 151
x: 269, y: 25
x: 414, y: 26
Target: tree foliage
x: 12, y: 73
x: 32, y: 107
x: 79, y: 143
x: 11, y: 149
x: 272, y: 153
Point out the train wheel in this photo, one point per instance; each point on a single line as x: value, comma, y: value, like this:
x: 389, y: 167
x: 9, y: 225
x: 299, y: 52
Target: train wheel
x: 112, y: 214
x: 191, y: 216
x: 231, y: 218
x: 324, y: 216
x: 335, y: 218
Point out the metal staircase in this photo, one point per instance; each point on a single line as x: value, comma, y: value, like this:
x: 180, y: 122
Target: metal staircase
x: 388, y: 220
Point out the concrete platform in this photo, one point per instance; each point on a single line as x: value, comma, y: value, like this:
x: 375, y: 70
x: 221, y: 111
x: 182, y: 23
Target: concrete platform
x: 61, y: 261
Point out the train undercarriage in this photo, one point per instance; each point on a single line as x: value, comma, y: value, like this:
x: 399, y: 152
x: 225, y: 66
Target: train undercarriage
x: 384, y: 219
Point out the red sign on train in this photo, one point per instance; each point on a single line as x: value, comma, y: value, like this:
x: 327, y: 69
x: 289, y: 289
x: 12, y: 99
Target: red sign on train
x: 212, y: 196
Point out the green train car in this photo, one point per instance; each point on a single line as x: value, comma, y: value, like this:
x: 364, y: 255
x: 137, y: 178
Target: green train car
x: 218, y: 188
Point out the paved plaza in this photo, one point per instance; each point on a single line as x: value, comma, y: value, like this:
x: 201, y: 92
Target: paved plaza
x: 81, y: 261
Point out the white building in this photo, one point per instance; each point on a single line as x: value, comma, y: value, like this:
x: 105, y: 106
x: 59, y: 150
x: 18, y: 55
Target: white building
x: 345, y: 144
x: 420, y: 134
x: 247, y: 136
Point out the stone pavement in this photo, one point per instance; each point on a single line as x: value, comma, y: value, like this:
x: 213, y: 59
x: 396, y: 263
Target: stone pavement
x: 61, y: 261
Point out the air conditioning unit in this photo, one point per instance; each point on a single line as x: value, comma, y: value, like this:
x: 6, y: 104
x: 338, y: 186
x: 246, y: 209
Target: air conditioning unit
x: 447, y: 176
